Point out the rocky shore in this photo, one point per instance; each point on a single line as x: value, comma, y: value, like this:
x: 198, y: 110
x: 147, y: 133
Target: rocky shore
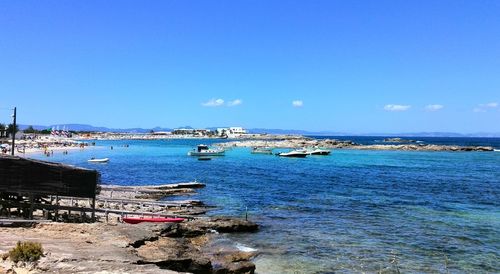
x: 343, y: 144
x: 114, y: 247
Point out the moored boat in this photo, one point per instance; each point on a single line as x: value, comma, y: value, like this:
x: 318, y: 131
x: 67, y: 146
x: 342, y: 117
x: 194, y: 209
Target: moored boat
x: 137, y: 220
x: 299, y: 153
x: 262, y: 150
x: 94, y: 160
x: 204, y: 150
x: 319, y: 151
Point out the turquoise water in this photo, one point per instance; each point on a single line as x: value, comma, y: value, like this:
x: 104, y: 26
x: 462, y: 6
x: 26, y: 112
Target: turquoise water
x: 352, y: 211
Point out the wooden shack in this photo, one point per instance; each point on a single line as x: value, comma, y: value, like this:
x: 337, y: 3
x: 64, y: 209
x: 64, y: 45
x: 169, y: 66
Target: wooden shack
x: 26, y: 182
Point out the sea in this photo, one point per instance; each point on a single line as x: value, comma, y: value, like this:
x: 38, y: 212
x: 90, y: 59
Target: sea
x: 353, y: 211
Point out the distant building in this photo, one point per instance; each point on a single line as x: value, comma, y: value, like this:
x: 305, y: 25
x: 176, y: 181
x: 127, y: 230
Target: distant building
x: 237, y: 130
x: 231, y: 132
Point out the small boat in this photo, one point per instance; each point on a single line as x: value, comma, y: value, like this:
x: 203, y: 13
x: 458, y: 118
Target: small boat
x: 262, y: 150
x: 94, y: 160
x: 204, y: 150
x: 299, y: 153
x: 319, y: 151
x: 136, y: 220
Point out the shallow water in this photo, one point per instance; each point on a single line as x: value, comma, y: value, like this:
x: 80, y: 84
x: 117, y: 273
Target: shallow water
x: 352, y: 211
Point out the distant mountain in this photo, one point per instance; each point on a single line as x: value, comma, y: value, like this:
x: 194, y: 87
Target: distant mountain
x: 437, y: 134
x: 85, y: 127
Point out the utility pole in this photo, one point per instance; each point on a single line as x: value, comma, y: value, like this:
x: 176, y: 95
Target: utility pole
x: 13, y: 132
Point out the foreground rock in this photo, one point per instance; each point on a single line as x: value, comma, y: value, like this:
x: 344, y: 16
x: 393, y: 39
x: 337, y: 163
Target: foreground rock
x: 72, y: 248
x: 180, y: 246
x: 122, y: 248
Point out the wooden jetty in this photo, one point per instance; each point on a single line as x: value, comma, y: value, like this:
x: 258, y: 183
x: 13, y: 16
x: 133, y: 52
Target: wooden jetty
x: 26, y: 184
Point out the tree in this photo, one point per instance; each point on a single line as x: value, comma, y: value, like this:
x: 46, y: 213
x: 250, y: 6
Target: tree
x: 30, y: 129
x: 2, y: 130
x: 10, y: 129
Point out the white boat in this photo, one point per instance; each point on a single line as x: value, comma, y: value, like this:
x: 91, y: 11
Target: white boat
x: 299, y: 153
x: 94, y: 160
x: 262, y: 150
x: 204, y: 150
x: 319, y: 151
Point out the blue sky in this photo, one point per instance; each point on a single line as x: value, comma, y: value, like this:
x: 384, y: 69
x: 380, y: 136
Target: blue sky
x: 348, y: 66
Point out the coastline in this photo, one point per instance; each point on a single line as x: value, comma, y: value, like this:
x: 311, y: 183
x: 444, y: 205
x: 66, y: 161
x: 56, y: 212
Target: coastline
x: 31, y: 151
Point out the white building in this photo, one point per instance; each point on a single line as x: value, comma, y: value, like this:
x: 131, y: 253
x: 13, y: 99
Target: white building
x: 231, y: 132
x: 237, y: 130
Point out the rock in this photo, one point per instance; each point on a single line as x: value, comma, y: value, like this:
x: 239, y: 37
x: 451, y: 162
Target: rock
x: 199, y: 227
x: 220, y: 224
x: 239, y: 256
x: 398, y: 140
x: 226, y: 261
x: 242, y: 267
x: 137, y: 235
x: 174, y: 254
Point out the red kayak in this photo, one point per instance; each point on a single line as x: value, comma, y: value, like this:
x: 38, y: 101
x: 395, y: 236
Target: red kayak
x: 136, y: 220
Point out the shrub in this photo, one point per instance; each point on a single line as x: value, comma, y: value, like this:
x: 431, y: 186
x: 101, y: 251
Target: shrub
x: 26, y: 252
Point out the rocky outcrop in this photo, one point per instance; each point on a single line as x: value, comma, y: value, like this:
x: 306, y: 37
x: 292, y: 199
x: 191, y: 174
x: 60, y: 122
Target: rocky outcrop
x: 177, y: 254
x: 208, y: 225
x: 222, y: 225
x: 234, y: 262
x: 141, y: 248
x: 345, y: 144
x: 398, y: 140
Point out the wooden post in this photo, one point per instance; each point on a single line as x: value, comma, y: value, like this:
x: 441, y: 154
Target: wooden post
x: 57, y: 208
x: 71, y: 204
x: 32, y: 206
x: 93, y: 209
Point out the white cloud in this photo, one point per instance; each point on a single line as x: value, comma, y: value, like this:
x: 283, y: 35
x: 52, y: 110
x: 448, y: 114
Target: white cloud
x: 485, y: 107
x: 491, y: 105
x: 213, y: 103
x: 433, y: 107
x: 396, y: 107
x: 297, y: 103
x: 234, y: 102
